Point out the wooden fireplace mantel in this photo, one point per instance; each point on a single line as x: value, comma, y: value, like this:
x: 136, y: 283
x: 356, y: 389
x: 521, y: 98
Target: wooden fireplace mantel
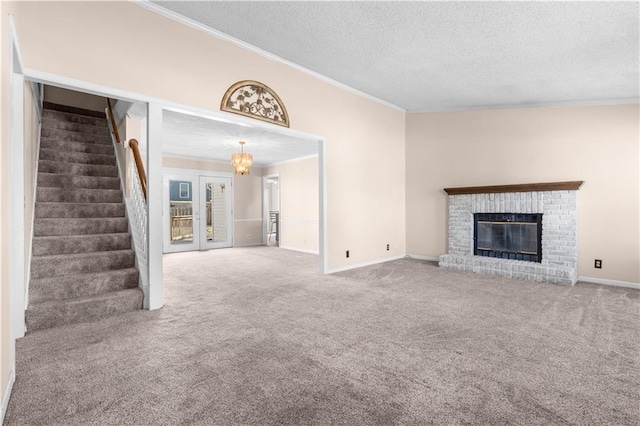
x: 523, y: 187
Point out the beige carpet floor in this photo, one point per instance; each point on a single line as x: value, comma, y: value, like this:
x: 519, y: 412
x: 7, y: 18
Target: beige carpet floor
x: 257, y: 336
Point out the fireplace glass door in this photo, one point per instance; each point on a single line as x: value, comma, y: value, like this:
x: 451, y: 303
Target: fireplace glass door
x: 508, y: 236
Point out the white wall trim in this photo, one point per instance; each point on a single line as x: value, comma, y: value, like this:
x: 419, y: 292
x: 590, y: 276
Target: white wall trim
x: 293, y: 160
x: 195, y: 176
x: 420, y: 257
x: 16, y: 173
x: 363, y: 264
x: 195, y: 172
x: 605, y: 281
x: 248, y: 220
x: 245, y: 245
x: 323, y: 241
x: 244, y: 45
x: 154, y: 206
x: 316, y: 252
x: 104, y: 91
x: 228, y: 163
x: 566, y: 104
x: 33, y: 219
x: 7, y: 394
x: 265, y: 205
x: 38, y: 99
x: 200, y: 158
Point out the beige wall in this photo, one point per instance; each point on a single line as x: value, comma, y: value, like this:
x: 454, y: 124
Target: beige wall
x: 247, y: 197
x: 189, y: 67
x: 60, y: 96
x: 596, y: 144
x: 299, y: 204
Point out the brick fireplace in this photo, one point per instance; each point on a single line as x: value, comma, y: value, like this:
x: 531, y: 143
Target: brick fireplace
x: 555, y: 202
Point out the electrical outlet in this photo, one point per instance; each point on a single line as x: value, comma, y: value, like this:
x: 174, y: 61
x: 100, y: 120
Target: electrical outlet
x: 597, y: 264
x: 347, y: 253
x: 387, y: 247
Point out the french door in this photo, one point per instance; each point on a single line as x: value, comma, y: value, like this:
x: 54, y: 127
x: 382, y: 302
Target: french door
x: 198, y: 212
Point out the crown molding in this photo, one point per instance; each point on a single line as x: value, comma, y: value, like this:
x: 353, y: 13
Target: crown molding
x: 566, y: 104
x: 293, y: 160
x: 228, y: 163
x: 146, y: 4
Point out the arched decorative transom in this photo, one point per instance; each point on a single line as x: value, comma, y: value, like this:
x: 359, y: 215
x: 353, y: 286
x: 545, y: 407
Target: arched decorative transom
x: 256, y: 100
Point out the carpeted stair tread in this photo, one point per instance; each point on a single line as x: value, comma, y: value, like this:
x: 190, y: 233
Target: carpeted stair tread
x: 59, y: 180
x: 72, y: 146
x: 68, y: 264
x: 82, y: 285
x: 80, y: 226
x: 79, y: 210
x: 68, y: 195
x: 72, y: 136
x: 73, y: 244
x: 77, y: 157
x: 74, y: 118
x: 69, y: 126
x: 83, y: 169
x: 82, y: 264
x: 82, y: 309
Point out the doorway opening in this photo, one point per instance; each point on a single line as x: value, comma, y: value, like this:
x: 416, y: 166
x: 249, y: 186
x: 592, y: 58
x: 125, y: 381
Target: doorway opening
x: 271, y: 213
x: 198, y: 212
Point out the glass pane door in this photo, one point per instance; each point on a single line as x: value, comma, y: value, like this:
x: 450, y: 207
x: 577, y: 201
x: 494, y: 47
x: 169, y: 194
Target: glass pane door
x: 181, y: 214
x: 216, y: 226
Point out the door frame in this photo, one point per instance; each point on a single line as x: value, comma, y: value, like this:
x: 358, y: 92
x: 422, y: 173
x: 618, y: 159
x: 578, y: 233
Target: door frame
x: 154, y: 165
x: 202, y: 225
x: 18, y: 287
x: 169, y: 173
x: 265, y: 205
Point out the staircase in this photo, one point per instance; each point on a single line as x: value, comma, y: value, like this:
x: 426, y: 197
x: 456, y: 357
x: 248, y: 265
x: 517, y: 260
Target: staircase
x: 82, y: 267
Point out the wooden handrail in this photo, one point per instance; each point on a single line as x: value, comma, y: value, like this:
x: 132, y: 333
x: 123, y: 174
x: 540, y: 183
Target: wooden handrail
x: 113, y: 121
x: 140, y: 166
x: 134, y: 148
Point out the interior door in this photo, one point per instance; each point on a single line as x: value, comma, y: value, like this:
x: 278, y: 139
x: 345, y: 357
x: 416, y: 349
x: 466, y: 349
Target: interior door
x: 216, y: 214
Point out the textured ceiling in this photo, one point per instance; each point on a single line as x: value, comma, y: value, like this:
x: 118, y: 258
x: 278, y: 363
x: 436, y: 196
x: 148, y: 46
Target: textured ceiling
x: 196, y: 137
x: 432, y: 56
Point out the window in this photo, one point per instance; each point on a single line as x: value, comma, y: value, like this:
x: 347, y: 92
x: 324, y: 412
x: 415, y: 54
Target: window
x: 184, y: 190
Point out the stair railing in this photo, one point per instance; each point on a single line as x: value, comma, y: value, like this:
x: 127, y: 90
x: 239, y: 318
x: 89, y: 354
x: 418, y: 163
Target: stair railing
x: 136, y: 202
x: 141, y: 175
x: 139, y: 199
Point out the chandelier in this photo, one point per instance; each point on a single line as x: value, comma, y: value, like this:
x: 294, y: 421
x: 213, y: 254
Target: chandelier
x: 241, y: 161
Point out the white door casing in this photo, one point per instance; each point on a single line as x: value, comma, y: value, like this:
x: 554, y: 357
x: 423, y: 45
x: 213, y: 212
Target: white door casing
x: 200, y: 237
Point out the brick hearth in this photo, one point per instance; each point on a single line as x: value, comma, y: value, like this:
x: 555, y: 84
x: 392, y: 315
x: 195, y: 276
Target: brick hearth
x: 559, y: 231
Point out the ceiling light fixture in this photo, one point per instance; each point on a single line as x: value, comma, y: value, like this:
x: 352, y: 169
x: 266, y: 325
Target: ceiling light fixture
x: 241, y: 161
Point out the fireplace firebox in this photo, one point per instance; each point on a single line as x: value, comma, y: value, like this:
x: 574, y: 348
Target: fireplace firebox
x: 508, y: 236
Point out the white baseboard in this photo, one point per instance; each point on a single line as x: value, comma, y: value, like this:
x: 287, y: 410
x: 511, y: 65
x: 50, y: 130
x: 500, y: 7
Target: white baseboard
x: 613, y: 283
x: 316, y: 252
x: 363, y: 264
x: 419, y: 257
x: 7, y: 395
x: 248, y: 245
